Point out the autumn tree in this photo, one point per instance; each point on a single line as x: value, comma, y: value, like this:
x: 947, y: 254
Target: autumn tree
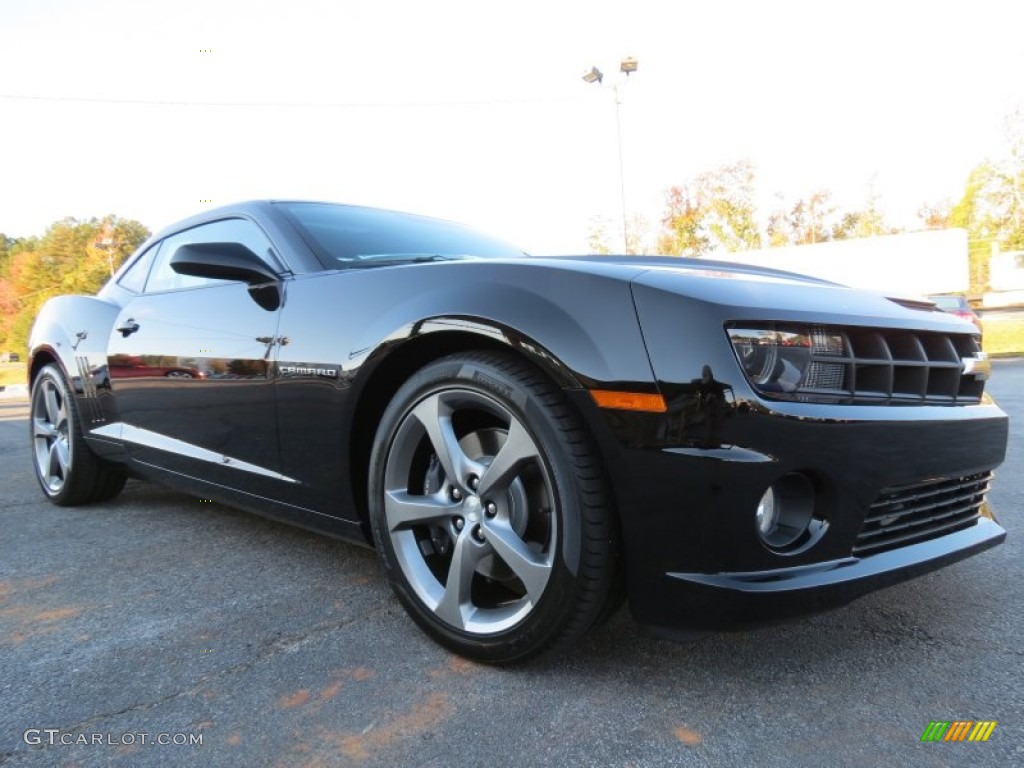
x: 816, y: 219
x: 936, y: 215
x: 868, y: 221
x: 71, y: 257
x: 715, y: 211
x: 808, y: 220
x: 8, y: 294
x: 684, y: 233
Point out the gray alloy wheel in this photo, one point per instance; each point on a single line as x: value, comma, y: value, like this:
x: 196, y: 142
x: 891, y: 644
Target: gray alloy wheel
x: 478, y: 509
x: 485, y: 509
x: 67, y: 470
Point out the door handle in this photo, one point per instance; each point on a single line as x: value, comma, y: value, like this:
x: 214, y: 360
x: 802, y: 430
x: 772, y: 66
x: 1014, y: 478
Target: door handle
x: 128, y: 328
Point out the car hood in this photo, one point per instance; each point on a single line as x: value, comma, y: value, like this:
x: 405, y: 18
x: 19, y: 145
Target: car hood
x: 748, y: 292
x: 681, y: 265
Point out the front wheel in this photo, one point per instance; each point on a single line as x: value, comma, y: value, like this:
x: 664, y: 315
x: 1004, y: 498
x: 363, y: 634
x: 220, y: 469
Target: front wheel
x: 489, y: 509
x: 67, y: 470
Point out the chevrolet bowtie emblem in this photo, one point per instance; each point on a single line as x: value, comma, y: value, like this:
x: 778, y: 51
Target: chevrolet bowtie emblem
x: 978, y: 366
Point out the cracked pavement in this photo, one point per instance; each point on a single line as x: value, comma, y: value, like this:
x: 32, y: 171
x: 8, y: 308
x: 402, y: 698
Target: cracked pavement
x: 159, y: 613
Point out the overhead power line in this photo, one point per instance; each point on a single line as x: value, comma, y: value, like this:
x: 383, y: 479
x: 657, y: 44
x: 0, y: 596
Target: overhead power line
x: 283, y: 104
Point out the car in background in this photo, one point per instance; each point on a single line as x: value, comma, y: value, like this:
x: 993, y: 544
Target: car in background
x: 133, y: 366
x: 10, y: 357
x: 957, y: 305
x: 527, y: 441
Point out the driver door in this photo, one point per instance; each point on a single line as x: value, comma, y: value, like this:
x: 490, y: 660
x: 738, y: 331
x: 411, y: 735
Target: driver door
x: 191, y: 366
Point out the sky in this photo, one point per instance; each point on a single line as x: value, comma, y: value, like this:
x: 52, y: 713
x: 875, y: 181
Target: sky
x: 476, y: 111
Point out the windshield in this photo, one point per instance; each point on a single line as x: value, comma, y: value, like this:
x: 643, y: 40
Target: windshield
x: 350, y: 236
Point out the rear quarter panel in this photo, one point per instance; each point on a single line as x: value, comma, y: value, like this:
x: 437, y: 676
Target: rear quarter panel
x: 73, y: 331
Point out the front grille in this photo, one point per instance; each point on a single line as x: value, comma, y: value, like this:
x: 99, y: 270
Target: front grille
x: 915, y: 513
x: 891, y: 366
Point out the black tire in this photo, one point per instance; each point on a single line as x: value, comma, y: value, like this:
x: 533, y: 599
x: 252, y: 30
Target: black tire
x: 517, y: 499
x: 69, y: 473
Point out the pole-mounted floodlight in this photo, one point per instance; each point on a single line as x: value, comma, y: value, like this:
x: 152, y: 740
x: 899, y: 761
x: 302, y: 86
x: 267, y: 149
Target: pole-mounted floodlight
x: 594, y: 75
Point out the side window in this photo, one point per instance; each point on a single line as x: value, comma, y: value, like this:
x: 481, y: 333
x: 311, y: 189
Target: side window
x: 134, y: 279
x: 163, y: 278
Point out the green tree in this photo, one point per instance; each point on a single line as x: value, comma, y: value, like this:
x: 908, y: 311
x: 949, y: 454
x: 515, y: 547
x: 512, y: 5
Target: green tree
x: 732, y: 218
x: 1013, y: 183
x: 777, y: 230
x: 977, y: 211
x: 598, y: 238
x: 637, y: 234
x: 991, y: 208
x: 6, y: 244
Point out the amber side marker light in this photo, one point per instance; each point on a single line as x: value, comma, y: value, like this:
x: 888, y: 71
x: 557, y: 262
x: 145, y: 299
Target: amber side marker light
x: 629, y: 401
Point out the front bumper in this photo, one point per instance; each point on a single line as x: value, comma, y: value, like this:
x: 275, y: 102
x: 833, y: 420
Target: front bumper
x: 741, y: 600
x: 694, y: 561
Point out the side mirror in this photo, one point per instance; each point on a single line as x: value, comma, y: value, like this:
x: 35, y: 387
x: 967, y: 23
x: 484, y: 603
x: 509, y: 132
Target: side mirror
x: 230, y: 261
x: 222, y: 261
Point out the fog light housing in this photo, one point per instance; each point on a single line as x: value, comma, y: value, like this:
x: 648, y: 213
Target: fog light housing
x: 786, y: 518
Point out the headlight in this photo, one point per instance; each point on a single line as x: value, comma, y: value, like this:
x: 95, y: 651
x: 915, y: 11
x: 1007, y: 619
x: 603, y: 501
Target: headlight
x: 785, y: 360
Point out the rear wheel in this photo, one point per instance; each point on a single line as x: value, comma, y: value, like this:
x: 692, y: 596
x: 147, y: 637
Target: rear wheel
x: 490, y: 510
x: 67, y: 470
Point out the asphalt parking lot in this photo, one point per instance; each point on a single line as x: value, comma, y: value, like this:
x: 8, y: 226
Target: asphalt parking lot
x: 158, y: 615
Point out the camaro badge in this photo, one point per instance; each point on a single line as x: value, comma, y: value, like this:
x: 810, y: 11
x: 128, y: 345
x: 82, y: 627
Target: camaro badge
x: 294, y: 371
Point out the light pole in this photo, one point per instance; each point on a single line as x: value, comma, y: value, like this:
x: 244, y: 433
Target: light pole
x: 627, y: 66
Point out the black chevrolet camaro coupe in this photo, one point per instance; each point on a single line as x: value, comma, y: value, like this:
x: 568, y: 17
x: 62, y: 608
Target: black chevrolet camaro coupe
x: 527, y: 441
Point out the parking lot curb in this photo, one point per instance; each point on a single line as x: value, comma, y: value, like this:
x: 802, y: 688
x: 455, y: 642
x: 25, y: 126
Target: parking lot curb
x: 14, y: 391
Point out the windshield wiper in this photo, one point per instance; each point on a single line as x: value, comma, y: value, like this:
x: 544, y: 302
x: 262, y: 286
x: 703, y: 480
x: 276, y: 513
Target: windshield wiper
x: 389, y: 259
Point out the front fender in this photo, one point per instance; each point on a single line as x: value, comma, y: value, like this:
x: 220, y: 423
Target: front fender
x: 373, y: 327
x: 584, y: 324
